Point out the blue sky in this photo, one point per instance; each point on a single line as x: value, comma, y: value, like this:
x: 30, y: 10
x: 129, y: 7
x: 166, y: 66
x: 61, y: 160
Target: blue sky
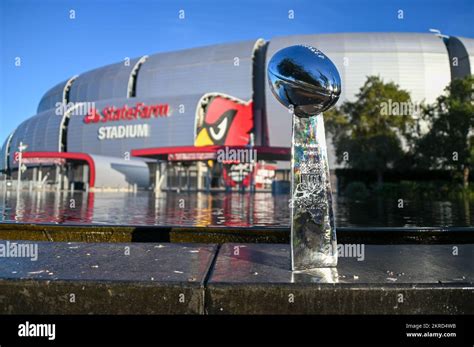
x: 53, y: 47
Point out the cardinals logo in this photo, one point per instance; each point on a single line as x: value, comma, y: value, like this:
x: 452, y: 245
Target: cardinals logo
x: 222, y: 120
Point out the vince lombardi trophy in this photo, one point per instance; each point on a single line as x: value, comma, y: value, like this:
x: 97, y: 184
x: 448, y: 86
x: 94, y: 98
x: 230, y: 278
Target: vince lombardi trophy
x: 307, y: 82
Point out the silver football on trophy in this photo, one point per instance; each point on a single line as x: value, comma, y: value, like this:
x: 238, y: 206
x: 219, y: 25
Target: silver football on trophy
x: 304, y: 78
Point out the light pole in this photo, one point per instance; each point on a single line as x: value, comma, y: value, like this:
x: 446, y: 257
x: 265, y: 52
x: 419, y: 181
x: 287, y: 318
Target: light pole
x: 21, y: 166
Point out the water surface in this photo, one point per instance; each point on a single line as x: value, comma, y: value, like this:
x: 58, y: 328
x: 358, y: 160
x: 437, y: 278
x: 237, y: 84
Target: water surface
x: 220, y: 209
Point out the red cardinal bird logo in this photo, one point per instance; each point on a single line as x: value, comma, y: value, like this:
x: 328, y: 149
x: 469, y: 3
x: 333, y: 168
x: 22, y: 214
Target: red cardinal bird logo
x: 223, y: 121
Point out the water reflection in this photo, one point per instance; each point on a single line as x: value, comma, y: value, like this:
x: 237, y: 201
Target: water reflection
x: 319, y: 275
x: 235, y: 209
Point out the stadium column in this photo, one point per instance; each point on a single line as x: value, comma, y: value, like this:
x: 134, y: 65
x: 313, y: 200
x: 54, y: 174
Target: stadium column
x: 85, y: 176
x: 35, y: 170
x: 164, y: 173
x: 70, y: 177
x: 157, y: 176
x: 199, y: 175
x: 40, y: 176
x: 208, y: 178
x: 65, y: 177
x: 160, y: 175
x: 57, y: 179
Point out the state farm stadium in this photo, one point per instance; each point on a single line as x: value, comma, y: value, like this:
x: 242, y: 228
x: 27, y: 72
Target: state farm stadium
x: 161, y: 121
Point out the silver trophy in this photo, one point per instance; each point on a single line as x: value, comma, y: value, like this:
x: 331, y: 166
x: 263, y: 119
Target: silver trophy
x: 306, y: 81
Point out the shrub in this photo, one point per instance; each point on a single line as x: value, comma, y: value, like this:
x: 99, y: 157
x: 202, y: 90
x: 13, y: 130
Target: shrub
x: 356, y: 191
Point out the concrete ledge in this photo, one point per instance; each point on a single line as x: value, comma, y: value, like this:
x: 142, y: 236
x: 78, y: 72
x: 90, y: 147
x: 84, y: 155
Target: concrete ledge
x: 337, y: 299
x: 130, y: 233
x: 96, y: 297
x: 112, y: 278
x: 403, y: 279
x: 83, y: 233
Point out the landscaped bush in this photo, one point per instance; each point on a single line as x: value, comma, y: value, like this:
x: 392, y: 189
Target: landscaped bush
x: 356, y: 191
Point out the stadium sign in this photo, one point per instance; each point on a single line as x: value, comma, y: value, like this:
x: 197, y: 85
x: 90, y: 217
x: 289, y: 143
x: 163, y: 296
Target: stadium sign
x: 126, y: 113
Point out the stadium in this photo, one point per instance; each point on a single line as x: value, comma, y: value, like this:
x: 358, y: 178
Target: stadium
x: 162, y: 121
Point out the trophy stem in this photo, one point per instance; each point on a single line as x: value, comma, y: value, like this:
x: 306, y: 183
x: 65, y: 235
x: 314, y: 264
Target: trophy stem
x: 313, y: 231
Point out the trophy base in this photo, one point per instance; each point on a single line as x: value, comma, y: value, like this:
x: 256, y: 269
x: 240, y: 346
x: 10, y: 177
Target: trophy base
x: 316, y: 275
x: 307, y: 259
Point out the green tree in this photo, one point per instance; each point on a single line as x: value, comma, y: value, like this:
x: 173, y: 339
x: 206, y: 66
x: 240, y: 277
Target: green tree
x: 449, y: 142
x: 367, y: 133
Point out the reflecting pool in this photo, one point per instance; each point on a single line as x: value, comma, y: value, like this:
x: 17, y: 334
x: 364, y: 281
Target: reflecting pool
x: 231, y: 209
